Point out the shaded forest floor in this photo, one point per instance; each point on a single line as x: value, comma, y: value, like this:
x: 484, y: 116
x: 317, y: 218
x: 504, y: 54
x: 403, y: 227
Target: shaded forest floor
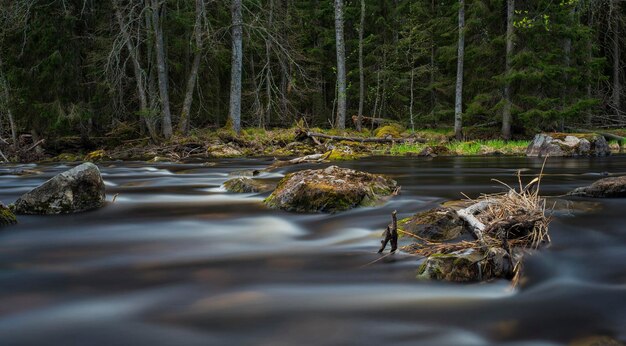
x: 123, y: 144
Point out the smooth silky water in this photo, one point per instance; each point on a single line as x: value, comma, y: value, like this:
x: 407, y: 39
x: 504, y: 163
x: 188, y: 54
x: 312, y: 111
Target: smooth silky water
x: 175, y: 260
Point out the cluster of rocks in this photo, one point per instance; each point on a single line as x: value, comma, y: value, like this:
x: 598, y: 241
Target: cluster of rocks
x: 559, y: 144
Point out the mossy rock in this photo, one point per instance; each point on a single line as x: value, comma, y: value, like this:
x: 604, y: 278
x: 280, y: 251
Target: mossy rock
x: 342, y: 155
x: 6, y: 216
x: 97, y: 155
x: 439, y: 224
x: 330, y: 190
x: 561, y: 144
x: 613, y: 187
x: 247, y: 185
x: 67, y: 157
x: 470, y: 265
x: 393, y: 130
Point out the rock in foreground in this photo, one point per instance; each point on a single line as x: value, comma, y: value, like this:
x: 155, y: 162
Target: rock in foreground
x: 78, y: 189
x: 330, y: 190
x: 467, y: 266
x: 246, y: 185
x: 604, y: 188
x: 439, y: 224
x: 559, y: 144
x: 6, y: 216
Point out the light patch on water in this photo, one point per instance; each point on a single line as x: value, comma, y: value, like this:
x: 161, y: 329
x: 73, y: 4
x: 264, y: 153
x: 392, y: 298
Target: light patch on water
x: 181, y: 198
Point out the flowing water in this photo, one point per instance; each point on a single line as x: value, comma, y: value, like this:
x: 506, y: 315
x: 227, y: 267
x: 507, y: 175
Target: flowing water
x: 175, y: 260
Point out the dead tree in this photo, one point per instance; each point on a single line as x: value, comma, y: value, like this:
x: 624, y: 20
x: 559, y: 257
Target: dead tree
x: 390, y: 234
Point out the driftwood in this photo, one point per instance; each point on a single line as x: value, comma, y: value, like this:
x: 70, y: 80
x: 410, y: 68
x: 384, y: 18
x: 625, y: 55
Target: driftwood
x: 315, y: 158
x: 390, y: 234
x: 365, y: 140
x: 467, y: 215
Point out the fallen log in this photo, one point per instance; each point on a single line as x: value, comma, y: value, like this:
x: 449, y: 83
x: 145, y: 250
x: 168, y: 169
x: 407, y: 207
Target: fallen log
x: 315, y: 158
x: 365, y: 140
x: 476, y: 226
x: 371, y: 121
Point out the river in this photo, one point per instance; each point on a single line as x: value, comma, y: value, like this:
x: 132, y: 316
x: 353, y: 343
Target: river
x: 175, y: 260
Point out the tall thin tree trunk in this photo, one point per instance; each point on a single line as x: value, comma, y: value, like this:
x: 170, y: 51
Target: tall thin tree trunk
x: 412, y: 95
x: 6, y: 103
x: 234, y: 111
x: 433, y: 95
x: 268, y: 68
x: 617, y: 89
x: 506, y: 111
x: 159, y: 44
x: 193, y: 73
x: 458, y: 104
x: 589, y: 117
x: 341, y: 66
x: 359, y: 122
x: 138, y: 72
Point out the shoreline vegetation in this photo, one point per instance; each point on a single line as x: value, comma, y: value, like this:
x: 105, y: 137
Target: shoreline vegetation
x: 123, y: 144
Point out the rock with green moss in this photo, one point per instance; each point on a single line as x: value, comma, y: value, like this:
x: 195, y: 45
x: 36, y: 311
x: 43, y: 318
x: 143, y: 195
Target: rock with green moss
x: 439, y: 224
x: 247, y: 185
x: 330, y: 190
x: 6, y: 216
x: 467, y: 266
x: 391, y: 130
x: 613, y: 187
x: 78, y: 189
x: 559, y: 144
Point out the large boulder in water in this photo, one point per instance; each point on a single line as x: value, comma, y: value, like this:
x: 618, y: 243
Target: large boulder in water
x: 439, y: 224
x: 330, y: 190
x: 6, y: 216
x: 470, y: 265
x: 603, y: 188
x: 78, y: 189
x: 560, y: 144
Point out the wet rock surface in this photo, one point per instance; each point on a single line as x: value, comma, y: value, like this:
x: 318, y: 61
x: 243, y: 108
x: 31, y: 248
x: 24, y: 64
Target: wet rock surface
x: 439, y: 224
x: 470, y: 265
x: 6, y: 216
x: 247, y: 185
x: 78, y: 189
x: 330, y: 190
x: 612, y: 187
x: 559, y: 144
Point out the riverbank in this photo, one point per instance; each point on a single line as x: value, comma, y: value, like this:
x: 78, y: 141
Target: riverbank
x: 389, y: 140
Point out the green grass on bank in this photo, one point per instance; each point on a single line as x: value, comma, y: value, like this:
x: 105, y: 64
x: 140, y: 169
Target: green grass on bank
x: 465, y: 148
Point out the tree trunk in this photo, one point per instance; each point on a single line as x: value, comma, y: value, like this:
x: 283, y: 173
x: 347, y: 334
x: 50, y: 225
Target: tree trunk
x: 138, y: 72
x: 159, y: 44
x: 359, y: 122
x: 193, y: 73
x: 617, y: 90
x: 268, y: 68
x: 7, y: 106
x: 341, y: 66
x: 234, y: 111
x: 506, y: 111
x: 458, y: 104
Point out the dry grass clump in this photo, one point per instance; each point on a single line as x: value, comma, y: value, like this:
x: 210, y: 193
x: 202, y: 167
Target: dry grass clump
x: 514, y: 221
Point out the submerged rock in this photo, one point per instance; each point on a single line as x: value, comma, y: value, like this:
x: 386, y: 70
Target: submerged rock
x: 247, y: 185
x: 245, y: 173
x: 604, y: 188
x: 439, y: 224
x: 78, y: 189
x: 470, y: 265
x: 6, y: 216
x: 559, y: 144
x: 330, y: 190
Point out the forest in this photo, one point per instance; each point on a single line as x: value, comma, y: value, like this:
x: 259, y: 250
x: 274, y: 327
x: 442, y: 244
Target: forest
x: 158, y: 68
x: 312, y: 172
